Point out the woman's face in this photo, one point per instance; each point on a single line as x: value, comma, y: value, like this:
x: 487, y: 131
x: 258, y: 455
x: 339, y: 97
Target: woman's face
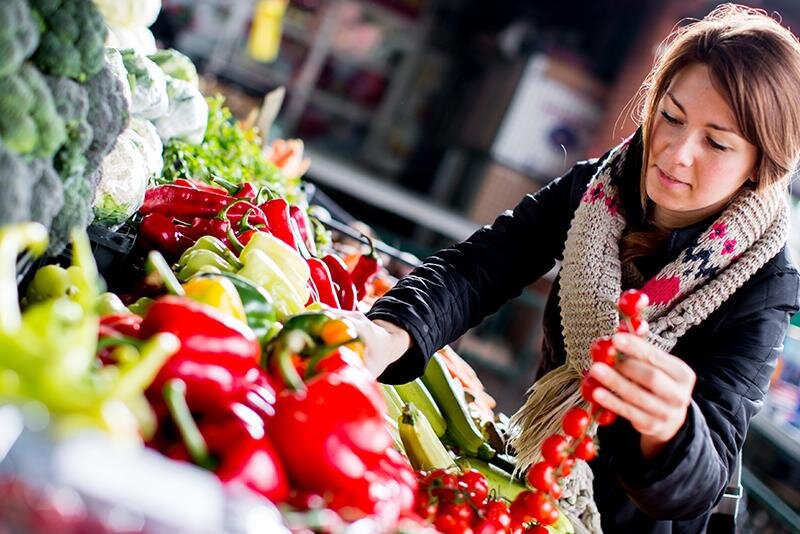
x: 698, y: 159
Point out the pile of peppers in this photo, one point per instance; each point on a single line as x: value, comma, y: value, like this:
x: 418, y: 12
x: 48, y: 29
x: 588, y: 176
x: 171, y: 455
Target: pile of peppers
x: 326, y: 395
x: 212, y: 400
x: 47, y: 352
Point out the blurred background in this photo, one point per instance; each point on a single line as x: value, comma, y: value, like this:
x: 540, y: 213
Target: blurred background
x: 424, y: 119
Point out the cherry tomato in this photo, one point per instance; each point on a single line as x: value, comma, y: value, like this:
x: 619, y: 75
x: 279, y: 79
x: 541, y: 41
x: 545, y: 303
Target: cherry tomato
x: 542, y: 477
x: 476, y: 486
x: 445, y: 487
x: 463, y: 511
x: 447, y: 524
x: 537, y: 529
x: 498, y: 512
x: 566, y: 467
x: 426, y: 505
x: 602, y: 416
x: 586, y: 449
x: 632, y: 302
x: 532, y: 506
x: 554, y: 449
x: 556, y: 492
x: 575, y: 422
x: 487, y: 526
x: 588, y: 386
x: 639, y: 326
x: 602, y: 350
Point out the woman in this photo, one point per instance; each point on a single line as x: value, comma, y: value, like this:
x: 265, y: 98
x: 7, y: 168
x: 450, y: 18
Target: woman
x: 692, y: 209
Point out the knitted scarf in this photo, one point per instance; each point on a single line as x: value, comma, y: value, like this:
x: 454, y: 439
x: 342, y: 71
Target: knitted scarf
x: 746, y: 235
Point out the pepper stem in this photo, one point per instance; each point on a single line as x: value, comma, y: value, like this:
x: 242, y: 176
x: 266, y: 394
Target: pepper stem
x: 175, y: 397
x: 372, y: 252
x: 156, y: 263
x: 229, y: 186
x: 293, y: 342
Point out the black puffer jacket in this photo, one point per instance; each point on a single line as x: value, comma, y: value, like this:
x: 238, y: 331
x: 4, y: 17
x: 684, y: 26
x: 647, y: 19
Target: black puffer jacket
x: 733, y: 352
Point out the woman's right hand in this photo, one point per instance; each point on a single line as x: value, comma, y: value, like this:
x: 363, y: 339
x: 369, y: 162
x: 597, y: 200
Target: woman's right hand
x: 384, y: 342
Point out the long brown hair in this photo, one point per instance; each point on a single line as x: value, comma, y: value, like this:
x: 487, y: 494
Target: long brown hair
x: 754, y: 63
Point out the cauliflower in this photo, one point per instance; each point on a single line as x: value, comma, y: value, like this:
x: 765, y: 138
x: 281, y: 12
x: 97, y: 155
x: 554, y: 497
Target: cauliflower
x: 123, y: 181
x: 108, y: 115
x: 148, y: 85
x: 175, y: 64
x: 129, y: 13
x: 140, y: 39
x: 29, y: 124
x: 114, y: 61
x: 19, y: 35
x: 71, y: 43
x: 151, y: 146
x: 187, y: 116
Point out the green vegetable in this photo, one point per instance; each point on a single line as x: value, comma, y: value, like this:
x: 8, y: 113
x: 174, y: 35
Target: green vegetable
x: 228, y: 151
x: 19, y: 35
x: 72, y: 105
x: 29, y: 124
x: 258, y: 306
x: 108, y: 116
x: 72, y: 39
x: 47, y: 353
x: 176, y: 65
x: 48, y: 193
x: 76, y: 212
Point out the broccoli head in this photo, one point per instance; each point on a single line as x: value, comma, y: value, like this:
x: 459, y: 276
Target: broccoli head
x: 71, y: 43
x: 76, y: 212
x: 29, y: 124
x: 17, y: 180
x: 19, y: 35
x: 72, y: 105
x: 48, y: 192
x: 108, y: 116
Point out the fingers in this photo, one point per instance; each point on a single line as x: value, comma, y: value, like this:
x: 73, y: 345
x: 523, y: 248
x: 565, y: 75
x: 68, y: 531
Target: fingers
x: 653, y: 379
x: 641, y: 349
x: 629, y: 393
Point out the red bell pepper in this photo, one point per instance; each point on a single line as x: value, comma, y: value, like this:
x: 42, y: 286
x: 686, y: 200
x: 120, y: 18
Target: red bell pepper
x: 234, y: 445
x: 339, y: 411
x: 278, y: 220
x: 366, y: 268
x: 321, y: 276
x: 205, y: 333
x: 179, y: 201
x: 161, y: 232
x: 345, y: 288
x: 114, y: 329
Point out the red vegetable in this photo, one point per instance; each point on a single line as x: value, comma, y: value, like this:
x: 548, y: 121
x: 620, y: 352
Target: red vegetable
x: 345, y: 288
x: 366, y: 268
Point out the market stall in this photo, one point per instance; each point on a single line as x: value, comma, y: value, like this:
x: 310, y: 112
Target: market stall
x: 171, y: 357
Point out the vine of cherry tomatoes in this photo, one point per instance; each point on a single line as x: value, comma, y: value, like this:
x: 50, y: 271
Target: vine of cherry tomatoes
x: 536, y: 508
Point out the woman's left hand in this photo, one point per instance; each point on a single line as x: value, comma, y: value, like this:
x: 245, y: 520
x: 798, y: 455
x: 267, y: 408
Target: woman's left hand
x: 649, y: 387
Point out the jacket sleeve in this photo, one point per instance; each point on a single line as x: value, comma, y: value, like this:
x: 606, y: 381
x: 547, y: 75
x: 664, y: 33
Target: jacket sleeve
x: 457, y: 287
x: 733, y: 371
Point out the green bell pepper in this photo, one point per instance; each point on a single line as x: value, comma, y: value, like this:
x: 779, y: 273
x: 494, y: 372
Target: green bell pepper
x: 198, y: 260
x: 213, y: 244
x: 258, y: 307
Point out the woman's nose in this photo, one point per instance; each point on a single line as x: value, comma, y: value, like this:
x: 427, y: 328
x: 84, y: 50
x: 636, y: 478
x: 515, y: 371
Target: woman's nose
x: 683, y: 150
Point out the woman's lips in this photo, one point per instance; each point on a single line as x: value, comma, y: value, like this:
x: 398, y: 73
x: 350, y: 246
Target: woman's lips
x: 669, y: 181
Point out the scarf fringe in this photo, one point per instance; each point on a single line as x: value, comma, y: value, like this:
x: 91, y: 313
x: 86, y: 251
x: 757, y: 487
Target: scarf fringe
x: 548, y: 399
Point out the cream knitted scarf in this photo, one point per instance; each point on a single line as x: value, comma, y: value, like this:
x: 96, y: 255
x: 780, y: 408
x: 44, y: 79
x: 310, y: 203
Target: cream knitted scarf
x: 747, y: 234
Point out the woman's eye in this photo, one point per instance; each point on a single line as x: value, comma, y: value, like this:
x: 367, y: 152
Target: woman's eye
x: 669, y: 118
x: 715, y: 145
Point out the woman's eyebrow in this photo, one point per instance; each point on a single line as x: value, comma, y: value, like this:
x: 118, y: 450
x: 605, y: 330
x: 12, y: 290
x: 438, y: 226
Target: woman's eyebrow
x: 710, y: 124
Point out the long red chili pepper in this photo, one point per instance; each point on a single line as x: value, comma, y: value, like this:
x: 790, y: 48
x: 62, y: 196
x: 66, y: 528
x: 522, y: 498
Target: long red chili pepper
x: 179, y: 201
x: 304, y: 226
x: 164, y: 234
x: 345, y: 288
x: 199, y: 184
x: 367, y: 267
x: 277, y: 214
x: 321, y: 275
